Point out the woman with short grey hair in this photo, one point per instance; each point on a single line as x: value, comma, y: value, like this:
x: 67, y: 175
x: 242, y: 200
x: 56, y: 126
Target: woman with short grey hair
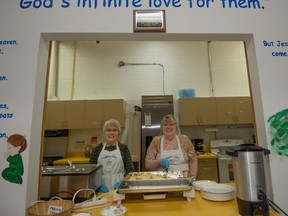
x: 112, y: 122
x: 114, y: 157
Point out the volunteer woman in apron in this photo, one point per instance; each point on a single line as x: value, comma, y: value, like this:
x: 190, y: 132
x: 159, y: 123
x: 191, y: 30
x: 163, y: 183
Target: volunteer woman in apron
x: 114, y: 157
x: 171, y: 152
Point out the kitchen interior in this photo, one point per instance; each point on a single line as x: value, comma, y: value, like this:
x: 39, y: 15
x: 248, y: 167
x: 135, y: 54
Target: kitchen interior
x: 204, y: 84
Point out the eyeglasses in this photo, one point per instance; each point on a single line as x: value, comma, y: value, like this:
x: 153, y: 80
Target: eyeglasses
x: 111, y: 130
x: 169, y: 125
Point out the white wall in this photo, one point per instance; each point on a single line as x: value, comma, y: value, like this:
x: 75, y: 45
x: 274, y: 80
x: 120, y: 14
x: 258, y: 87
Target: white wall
x: 24, y: 65
x: 187, y: 64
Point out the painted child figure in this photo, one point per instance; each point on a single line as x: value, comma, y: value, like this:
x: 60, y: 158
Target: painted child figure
x: 16, y: 144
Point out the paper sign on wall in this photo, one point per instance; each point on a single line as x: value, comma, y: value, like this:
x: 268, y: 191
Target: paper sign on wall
x: 147, y: 119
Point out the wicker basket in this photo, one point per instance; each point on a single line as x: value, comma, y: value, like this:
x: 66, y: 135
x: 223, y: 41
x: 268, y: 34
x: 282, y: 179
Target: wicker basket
x: 40, y: 208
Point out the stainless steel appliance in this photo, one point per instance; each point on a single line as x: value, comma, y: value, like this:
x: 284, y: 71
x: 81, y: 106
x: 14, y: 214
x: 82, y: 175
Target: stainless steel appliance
x: 251, y: 182
x: 225, y: 162
x: 67, y: 180
x: 154, y: 108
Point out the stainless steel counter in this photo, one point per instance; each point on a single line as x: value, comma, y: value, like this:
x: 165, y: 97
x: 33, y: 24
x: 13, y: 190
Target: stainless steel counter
x: 66, y: 180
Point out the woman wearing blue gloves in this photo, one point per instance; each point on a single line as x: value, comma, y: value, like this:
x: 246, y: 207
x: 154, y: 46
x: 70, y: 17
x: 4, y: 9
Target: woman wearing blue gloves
x: 171, y: 151
x: 114, y: 157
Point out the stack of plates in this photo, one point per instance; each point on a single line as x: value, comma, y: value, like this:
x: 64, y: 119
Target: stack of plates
x: 218, y: 192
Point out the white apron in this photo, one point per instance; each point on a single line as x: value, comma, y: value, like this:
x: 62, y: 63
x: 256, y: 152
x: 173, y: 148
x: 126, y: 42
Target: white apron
x: 175, y: 157
x: 113, y: 169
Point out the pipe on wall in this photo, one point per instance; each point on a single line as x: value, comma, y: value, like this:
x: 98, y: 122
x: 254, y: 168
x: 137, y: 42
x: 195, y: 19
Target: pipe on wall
x: 122, y: 64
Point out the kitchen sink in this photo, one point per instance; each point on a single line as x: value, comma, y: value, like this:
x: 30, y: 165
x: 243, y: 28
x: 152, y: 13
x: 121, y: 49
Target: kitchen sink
x: 52, y: 169
x: 83, y: 169
x: 79, y: 169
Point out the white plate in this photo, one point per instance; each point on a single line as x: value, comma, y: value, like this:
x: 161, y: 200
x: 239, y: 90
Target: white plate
x: 218, y: 192
x: 200, y: 183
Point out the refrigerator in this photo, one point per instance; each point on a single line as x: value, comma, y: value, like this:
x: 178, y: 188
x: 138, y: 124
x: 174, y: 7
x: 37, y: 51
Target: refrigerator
x: 154, y: 108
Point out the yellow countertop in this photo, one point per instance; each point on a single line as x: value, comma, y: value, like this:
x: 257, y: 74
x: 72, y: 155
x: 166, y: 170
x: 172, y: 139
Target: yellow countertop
x: 174, y: 205
x: 206, y: 156
x: 75, y: 160
x: 74, y: 157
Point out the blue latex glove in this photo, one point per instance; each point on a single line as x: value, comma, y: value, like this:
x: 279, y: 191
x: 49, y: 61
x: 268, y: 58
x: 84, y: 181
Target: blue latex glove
x: 164, y: 163
x: 116, y: 185
x: 102, y: 188
x: 192, y: 182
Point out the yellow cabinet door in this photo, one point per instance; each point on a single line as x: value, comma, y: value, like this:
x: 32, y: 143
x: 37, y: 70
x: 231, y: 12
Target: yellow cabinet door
x: 234, y: 110
x: 207, y: 169
x: 98, y: 111
x: 54, y: 115
x: 197, y: 111
x: 243, y: 110
x: 74, y: 114
x: 207, y: 111
x: 115, y: 109
x: 225, y: 110
x: 94, y: 113
x: 64, y: 114
x: 188, y: 111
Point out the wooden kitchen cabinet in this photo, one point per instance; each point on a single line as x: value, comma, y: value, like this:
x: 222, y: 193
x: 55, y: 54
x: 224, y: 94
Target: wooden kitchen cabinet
x: 207, y: 169
x: 64, y: 114
x: 234, y: 110
x: 79, y: 114
x: 197, y: 111
x: 98, y: 111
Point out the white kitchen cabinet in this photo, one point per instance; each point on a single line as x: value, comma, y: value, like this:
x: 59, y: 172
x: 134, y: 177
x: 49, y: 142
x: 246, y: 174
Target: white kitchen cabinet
x: 64, y: 114
x: 234, y: 110
x: 197, y: 111
x: 98, y: 111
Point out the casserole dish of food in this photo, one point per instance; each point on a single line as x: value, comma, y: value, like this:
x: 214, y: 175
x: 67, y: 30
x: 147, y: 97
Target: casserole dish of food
x: 156, y: 181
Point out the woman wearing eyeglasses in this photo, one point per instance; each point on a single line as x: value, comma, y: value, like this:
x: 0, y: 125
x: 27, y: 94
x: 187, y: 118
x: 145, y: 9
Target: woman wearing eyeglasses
x: 114, y: 157
x: 171, y: 151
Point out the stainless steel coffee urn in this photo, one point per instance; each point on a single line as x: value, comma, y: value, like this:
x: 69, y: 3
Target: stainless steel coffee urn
x: 249, y: 161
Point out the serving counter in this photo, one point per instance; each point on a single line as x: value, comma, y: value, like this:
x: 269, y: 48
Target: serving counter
x: 79, y: 158
x: 175, y: 204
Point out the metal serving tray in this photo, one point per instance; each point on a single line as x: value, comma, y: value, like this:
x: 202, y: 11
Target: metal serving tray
x: 170, y: 181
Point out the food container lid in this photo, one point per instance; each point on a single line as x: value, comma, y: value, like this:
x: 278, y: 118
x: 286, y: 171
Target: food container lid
x: 246, y: 148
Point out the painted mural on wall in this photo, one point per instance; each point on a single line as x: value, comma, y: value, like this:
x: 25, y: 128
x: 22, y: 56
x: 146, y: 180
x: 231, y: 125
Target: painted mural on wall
x: 16, y: 144
x: 278, y: 125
